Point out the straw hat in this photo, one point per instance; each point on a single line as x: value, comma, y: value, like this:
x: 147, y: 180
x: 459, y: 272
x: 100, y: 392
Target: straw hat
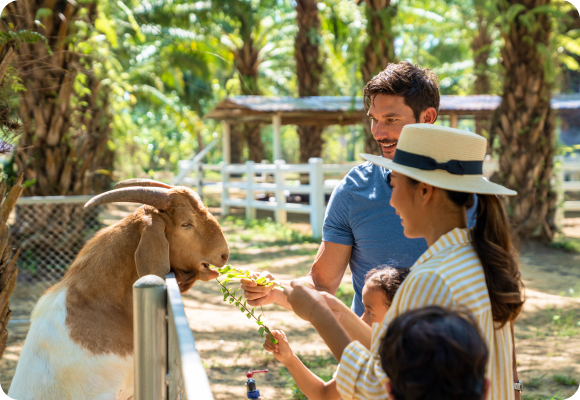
x: 444, y: 157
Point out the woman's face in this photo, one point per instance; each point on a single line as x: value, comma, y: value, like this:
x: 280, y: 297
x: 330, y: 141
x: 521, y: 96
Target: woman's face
x: 406, y: 201
x: 375, y: 303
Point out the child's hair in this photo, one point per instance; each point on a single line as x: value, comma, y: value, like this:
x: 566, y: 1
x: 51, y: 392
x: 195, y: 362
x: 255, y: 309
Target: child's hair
x: 434, y: 354
x: 387, y: 279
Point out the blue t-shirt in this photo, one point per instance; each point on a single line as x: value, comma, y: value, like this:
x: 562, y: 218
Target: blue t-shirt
x: 359, y: 215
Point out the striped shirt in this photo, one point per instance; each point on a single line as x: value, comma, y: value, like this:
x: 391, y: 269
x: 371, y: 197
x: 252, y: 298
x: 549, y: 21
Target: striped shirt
x: 449, y: 274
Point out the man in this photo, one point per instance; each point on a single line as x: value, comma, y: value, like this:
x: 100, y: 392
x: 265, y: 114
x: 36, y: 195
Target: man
x: 360, y: 227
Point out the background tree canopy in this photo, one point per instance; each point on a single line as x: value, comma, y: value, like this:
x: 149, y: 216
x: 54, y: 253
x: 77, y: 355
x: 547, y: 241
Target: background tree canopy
x: 117, y: 89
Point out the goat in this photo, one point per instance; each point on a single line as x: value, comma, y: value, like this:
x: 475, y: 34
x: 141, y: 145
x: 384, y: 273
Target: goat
x: 80, y: 342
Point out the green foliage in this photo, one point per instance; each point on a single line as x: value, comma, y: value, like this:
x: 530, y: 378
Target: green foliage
x: 569, y: 244
x: 345, y: 293
x: 323, y: 366
x: 269, y: 233
x: 565, y: 380
x: 231, y: 273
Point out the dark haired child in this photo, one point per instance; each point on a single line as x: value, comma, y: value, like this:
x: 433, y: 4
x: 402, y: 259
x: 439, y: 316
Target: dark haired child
x: 434, y: 354
x: 377, y: 295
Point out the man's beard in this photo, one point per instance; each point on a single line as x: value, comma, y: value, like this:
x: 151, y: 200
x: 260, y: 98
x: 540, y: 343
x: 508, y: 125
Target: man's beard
x: 387, y: 142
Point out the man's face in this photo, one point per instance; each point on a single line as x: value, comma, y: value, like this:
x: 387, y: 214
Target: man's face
x: 389, y: 114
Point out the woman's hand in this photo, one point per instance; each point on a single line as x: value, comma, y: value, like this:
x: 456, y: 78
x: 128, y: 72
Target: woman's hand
x: 281, y: 350
x: 306, y: 302
x: 336, y: 305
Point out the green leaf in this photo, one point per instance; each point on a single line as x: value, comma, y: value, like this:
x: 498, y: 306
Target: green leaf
x: 234, y: 292
x: 245, y: 301
x: 253, y: 309
x: 249, y: 315
x: 261, y: 331
x: 231, y: 300
x: 261, y: 280
x: 225, y: 269
x: 242, y: 310
x: 248, y: 273
x: 43, y: 12
x: 259, y: 322
x: 237, y: 303
x: 226, y: 294
x: 272, y: 339
x: 223, y: 290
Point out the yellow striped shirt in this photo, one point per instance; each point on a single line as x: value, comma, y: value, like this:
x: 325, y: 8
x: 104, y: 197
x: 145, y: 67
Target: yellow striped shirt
x: 449, y: 274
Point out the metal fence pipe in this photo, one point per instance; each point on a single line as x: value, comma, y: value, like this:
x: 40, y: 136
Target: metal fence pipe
x: 150, y: 338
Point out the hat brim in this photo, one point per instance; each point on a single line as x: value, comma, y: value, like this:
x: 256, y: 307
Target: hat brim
x: 442, y: 179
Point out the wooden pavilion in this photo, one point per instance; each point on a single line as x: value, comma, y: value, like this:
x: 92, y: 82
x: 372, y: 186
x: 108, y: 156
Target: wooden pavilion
x: 337, y: 110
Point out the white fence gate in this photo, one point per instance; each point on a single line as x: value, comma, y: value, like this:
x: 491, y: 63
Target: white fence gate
x: 271, y: 178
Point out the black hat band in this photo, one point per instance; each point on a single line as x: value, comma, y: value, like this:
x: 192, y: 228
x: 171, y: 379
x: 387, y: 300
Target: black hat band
x: 454, y: 167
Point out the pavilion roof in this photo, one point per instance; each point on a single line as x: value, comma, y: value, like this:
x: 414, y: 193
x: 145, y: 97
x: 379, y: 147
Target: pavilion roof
x: 346, y: 110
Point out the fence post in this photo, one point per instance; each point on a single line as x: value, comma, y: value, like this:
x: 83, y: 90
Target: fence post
x: 280, y: 214
x: 150, y: 338
x: 225, y: 191
x: 199, y: 167
x: 317, y: 197
x: 250, y: 174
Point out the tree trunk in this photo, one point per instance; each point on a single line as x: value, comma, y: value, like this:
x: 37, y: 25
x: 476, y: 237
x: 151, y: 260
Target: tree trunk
x: 253, y: 137
x: 524, y: 122
x: 63, y: 145
x: 246, y: 60
x: 8, y: 257
x: 236, y: 143
x: 378, y: 52
x: 64, y: 134
x: 481, y: 46
x: 308, y: 71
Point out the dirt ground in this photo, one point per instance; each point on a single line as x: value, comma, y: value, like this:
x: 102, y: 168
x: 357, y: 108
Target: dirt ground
x: 547, y: 333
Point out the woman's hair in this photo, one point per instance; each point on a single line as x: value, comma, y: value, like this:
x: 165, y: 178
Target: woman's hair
x: 492, y: 240
x: 433, y: 354
x: 387, y: 279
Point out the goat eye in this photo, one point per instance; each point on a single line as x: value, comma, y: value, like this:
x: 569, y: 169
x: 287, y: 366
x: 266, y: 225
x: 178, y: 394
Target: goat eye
x: 186, y: 225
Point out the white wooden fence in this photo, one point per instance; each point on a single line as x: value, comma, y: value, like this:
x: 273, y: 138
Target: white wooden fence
x: 271, y: 178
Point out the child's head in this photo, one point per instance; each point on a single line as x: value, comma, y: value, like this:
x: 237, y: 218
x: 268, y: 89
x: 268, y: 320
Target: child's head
x: 381, y: 284
x: 431, y: 353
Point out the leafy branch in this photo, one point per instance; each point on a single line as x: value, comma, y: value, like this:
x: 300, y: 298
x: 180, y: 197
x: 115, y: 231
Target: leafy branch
x: 236, y: 273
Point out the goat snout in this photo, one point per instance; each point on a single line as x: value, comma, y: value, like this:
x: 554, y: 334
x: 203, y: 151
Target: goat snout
x: 225, y: 256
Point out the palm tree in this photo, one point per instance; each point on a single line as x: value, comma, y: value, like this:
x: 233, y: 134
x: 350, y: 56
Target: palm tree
x: 64, y: 111
x: 65, y: 119
x: 524, y: 121
x: 308, y: 71
x: 379, y: 51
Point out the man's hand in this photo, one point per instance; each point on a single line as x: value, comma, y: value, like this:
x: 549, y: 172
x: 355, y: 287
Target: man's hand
x: 258, y: 295
x: 306, y: 302
x: 281, y: 350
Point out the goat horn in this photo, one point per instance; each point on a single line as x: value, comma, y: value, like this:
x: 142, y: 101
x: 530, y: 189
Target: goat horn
x: 156, y: 197
x: 142, y: 183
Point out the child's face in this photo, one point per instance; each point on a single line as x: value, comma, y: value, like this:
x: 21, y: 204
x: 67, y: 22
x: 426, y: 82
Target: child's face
x: 374, y: 300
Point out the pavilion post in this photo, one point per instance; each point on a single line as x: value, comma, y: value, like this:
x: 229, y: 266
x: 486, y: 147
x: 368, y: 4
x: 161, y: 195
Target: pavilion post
x: 453, y: 120
x: 277, y: 124
x: 226, y: 142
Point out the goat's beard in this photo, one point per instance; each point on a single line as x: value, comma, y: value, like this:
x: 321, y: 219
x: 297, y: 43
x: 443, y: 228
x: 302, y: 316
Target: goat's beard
x: 185, y: 279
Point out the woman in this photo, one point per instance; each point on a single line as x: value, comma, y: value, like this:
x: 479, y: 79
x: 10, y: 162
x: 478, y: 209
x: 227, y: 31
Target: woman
x: 435, y: 173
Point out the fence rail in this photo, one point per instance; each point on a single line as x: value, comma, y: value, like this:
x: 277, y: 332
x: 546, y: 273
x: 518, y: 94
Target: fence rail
x: 167, y: 364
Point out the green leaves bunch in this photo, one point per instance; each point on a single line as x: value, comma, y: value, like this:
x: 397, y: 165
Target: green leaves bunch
x: 232, y: 273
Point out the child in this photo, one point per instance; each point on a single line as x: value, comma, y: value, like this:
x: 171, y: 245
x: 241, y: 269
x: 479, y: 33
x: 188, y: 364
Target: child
x: 380, y: 286
x: 431, y: 353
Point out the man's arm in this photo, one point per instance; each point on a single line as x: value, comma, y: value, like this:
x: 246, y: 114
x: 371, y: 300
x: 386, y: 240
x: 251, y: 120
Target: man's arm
x: 325, y: 275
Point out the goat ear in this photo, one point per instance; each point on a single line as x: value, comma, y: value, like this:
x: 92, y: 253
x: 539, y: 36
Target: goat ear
x: 152, y: 255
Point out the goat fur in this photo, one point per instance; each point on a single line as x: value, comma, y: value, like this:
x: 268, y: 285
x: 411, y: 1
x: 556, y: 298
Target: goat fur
x: 80, y: 343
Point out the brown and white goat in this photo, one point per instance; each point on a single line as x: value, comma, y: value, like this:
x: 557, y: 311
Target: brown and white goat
x: 80, y: 343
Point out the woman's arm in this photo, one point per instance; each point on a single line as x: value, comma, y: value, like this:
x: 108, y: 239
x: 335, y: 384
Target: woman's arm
x: 312, y: 386
x: 356, y: 328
